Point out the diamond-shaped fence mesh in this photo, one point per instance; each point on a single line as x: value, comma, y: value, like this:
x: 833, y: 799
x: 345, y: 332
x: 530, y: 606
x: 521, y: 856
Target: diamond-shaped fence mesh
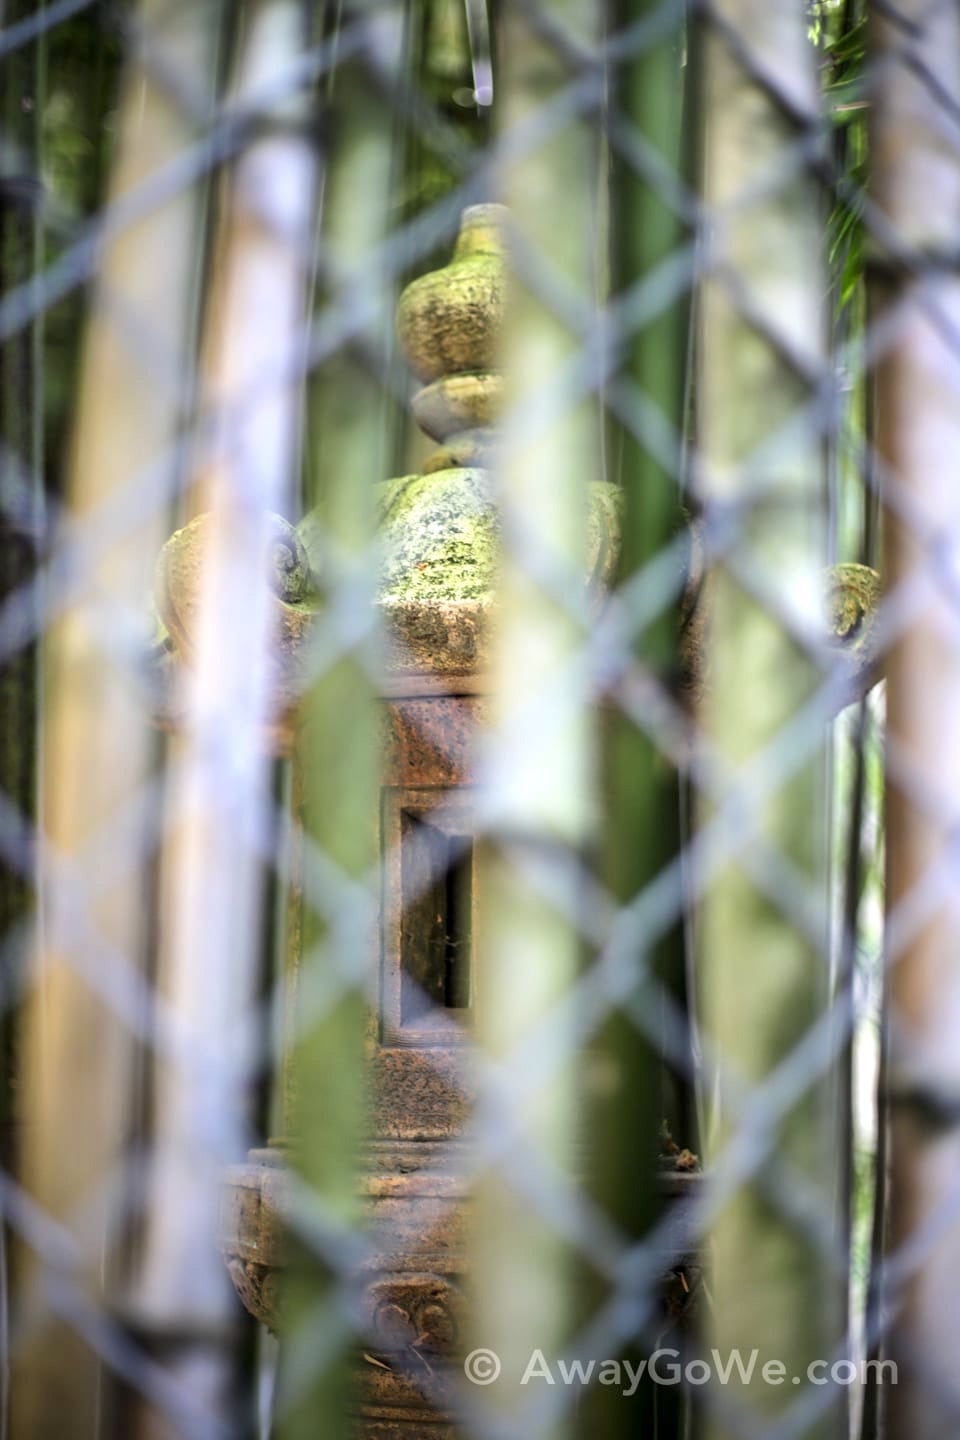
x: 480, y: 664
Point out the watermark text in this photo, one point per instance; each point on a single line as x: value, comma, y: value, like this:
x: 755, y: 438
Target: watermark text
x: 669, y: 1367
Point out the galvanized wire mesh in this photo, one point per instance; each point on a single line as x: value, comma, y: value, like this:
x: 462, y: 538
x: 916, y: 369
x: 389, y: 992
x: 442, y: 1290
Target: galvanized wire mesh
x: 237, y: 785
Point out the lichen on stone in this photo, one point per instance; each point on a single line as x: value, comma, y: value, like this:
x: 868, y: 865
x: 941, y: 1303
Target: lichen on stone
x: 440, y: 536
x: 853, y: 602
x: 853, y: 598
x: 450, y: 321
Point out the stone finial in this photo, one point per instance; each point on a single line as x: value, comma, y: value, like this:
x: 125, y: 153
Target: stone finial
x: 450, y: 326
x: 442, y: 528
x: 450, y: 320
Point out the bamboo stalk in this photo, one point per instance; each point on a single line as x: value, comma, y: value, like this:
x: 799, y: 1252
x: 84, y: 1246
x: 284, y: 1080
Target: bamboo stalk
x: 221, y: 802
x: 542, y: 758
x: 22, y: 93
x: 917, y: 188
x: 337, y: 754
x: 764, y: 984
x: 641, y: 786
x: 98, y: 757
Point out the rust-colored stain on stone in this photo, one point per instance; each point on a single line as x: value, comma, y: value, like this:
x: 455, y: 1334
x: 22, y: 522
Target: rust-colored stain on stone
x: 429, y: 740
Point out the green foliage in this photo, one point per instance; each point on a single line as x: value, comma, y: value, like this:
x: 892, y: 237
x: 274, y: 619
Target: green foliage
x: 440, y: 151
x: 845, y: 247
x: 81, y: 64
x: 842, y: 38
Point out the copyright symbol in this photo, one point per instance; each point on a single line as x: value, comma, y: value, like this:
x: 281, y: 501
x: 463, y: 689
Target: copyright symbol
x: 482, y: 1367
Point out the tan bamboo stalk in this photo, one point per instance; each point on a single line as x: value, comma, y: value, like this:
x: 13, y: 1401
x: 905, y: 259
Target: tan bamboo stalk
x: 98, y: 750
x: 220, y: 800
x: 542, y: 760
x: 917, y: 188
x: 23, y: 81
x: 763, y: 982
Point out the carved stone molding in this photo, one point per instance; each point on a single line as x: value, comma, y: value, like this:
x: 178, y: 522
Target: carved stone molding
x: 258, y: 1287
x: 420, y: 1311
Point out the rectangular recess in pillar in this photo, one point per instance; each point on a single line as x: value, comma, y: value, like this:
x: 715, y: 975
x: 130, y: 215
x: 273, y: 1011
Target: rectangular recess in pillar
x: 436, y: 886
x: 429, y: 915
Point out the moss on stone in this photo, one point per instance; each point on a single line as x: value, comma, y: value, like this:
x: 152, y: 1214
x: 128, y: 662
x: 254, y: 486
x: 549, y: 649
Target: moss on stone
x: 450, y: 321
x: 854, y: 594
x: 853, y: 601
x: 441, y: 536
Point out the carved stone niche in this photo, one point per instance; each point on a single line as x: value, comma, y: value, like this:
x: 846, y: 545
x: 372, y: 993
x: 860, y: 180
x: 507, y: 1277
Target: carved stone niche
x: 436, y: 595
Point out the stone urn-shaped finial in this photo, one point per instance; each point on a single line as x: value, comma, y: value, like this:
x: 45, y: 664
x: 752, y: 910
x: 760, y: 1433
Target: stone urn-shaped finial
x: 450, y: 324
x: 441, y: 529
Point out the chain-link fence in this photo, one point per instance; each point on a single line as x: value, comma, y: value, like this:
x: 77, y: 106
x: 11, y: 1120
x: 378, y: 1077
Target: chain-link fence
x: 498, y: 922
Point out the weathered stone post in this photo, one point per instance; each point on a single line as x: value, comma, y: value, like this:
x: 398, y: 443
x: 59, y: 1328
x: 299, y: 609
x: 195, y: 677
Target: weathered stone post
x: 437, y: 593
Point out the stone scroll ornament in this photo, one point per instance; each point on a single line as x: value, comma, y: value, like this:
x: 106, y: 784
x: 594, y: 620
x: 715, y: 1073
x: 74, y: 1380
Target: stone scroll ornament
x: 440, y: 530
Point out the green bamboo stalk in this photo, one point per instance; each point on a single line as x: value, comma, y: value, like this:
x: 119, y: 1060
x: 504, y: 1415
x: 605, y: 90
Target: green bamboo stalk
x: 337, y: 752
x: 642, y: 787
x: 916, y: 186
x: 763, y: 983
x: 99, y: 749
x: 542, y: 783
